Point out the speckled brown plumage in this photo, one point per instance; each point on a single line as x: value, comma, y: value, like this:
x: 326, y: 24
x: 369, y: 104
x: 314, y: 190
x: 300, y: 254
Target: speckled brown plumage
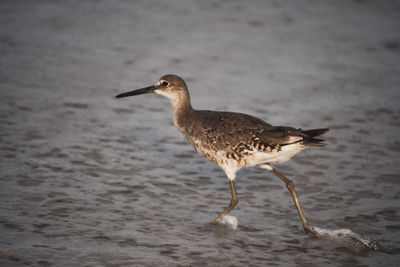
x: 238, y: 135
x: 234, y: 140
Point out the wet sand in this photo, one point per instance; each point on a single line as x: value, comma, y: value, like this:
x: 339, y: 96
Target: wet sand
x: 88, y: 180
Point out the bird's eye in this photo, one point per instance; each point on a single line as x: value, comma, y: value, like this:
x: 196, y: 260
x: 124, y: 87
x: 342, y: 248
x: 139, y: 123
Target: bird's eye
x: 165, y: 83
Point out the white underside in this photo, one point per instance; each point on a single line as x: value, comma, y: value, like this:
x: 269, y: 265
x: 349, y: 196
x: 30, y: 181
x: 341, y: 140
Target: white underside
x: 285, y: 154
x: 258, y: 159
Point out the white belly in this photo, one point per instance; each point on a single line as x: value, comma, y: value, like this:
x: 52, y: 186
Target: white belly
x: 285, y: 154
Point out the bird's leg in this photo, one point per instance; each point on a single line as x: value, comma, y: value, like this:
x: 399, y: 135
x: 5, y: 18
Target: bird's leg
x: 232, y: 204
x: 290, y: 185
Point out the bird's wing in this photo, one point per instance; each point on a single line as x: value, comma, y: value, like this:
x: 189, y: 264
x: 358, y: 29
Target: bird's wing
x: 229, y: 130
x: 282, y: 135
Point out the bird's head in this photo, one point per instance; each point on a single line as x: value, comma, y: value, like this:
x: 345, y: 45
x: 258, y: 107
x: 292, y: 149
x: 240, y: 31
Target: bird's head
x: 170, y: 86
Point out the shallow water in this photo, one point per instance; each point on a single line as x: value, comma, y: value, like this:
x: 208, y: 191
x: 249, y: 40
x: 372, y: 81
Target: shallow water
x: 88, y: 180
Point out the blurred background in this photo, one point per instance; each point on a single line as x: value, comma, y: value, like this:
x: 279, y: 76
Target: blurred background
x: 89, y: 180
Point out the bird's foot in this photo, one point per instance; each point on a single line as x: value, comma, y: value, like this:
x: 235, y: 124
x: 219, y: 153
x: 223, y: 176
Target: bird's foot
x: 217, y: 220
x: 310, y: 230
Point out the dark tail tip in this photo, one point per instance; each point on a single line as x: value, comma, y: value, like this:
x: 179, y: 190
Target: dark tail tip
x: 314, y: 142
x: 316, y: 132
x: 311, y: 141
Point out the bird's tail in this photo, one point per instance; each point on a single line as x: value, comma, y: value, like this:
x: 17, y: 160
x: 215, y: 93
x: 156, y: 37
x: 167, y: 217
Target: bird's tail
x: 311, y: 141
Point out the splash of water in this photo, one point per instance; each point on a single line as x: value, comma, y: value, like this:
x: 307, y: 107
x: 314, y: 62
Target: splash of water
x: 230, y: 221
x: 347, y: 234
x: 338, y: 234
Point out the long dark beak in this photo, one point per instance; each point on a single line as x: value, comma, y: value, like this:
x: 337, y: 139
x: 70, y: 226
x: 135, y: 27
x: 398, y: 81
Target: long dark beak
x: 146, y: 90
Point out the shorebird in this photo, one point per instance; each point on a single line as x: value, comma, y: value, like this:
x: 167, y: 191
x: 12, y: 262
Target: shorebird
x: 234, y: 140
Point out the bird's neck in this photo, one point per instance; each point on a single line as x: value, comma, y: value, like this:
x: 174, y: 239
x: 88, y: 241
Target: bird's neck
x: 181, y: 107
